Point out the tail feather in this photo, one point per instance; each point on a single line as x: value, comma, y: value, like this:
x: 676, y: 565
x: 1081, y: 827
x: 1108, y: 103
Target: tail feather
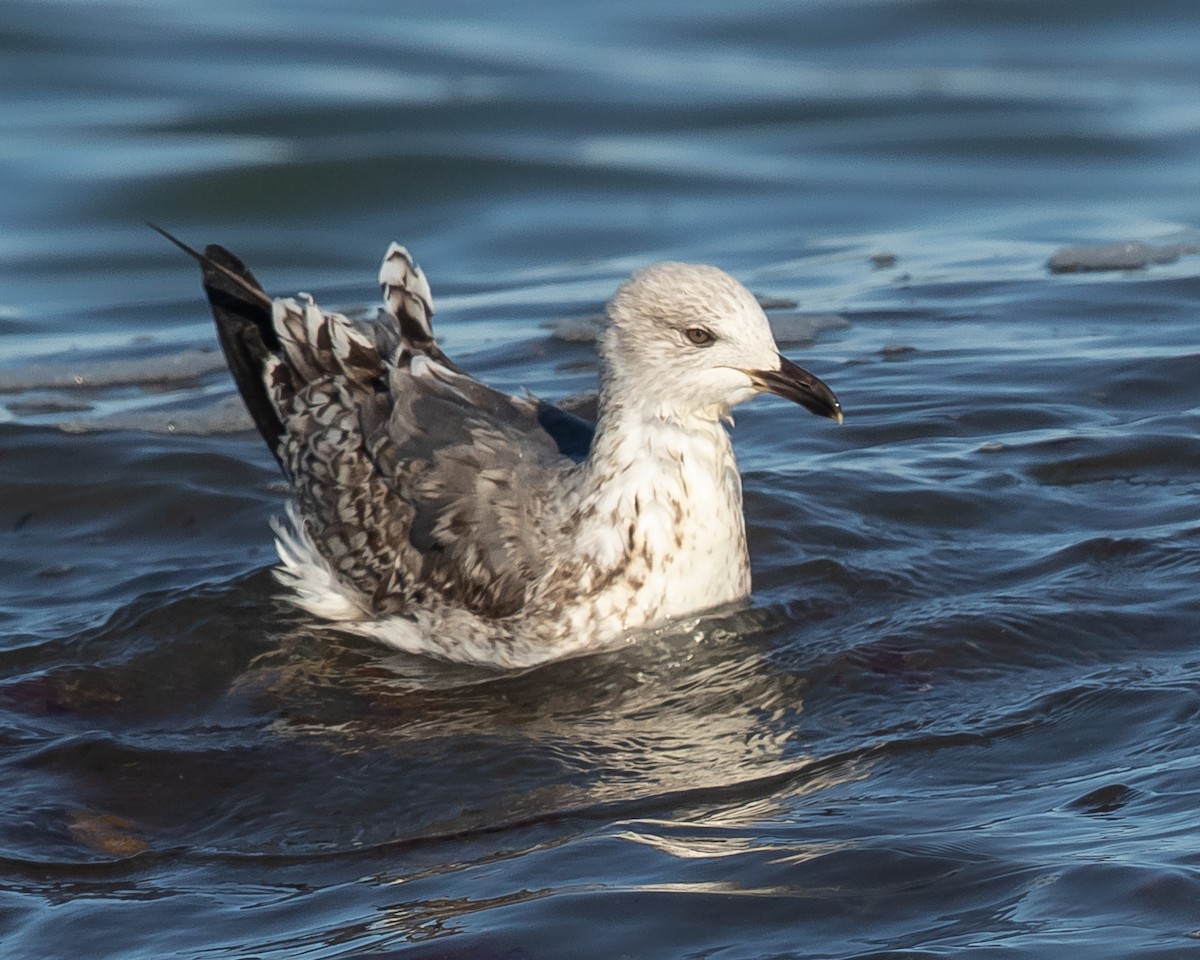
x: 407, y: 295
x: 405, y: 328
x: 293, y: 323
x: 277, y: 348
x: 319, y: 344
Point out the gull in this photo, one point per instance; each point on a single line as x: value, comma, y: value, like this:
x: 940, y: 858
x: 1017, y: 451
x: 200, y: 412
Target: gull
x: 448, y: 519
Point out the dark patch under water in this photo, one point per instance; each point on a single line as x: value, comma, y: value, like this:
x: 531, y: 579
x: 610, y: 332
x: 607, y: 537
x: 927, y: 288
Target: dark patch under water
x: 960, y: 714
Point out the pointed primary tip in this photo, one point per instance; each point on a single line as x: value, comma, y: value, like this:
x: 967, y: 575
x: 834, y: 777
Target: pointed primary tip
x: 190, y: 251
x: 210, y: 266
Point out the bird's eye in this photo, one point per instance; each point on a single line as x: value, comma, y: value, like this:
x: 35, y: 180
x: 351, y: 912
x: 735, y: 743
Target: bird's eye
x: 698, y: 336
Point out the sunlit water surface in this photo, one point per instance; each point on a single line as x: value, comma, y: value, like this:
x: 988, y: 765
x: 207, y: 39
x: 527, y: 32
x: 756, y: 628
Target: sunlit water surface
x: 960, y: 715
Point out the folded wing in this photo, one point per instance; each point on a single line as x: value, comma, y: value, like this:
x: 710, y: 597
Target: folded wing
x: 409, y: 475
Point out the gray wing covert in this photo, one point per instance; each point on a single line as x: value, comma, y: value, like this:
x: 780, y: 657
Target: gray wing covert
x: 483, y: 478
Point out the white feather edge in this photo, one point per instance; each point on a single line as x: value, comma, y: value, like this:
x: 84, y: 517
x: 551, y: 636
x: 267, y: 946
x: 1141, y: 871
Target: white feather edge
x: 314, y: 585
x: 315, y: 588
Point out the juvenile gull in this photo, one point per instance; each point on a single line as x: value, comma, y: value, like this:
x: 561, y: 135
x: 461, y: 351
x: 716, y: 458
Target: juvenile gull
x: 443, y: 517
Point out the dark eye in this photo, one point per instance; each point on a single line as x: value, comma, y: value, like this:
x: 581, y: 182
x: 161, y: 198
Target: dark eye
x: 698, y: 336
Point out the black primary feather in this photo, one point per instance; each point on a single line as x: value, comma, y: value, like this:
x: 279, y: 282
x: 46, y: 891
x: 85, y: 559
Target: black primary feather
x: 241, y: 310
x: 247, y: 335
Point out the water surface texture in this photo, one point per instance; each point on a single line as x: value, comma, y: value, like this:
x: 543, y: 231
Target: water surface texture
x: 960, y: 716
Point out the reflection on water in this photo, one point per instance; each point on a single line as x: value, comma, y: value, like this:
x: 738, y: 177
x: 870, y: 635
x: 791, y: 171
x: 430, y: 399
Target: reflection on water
x: 959, y: 713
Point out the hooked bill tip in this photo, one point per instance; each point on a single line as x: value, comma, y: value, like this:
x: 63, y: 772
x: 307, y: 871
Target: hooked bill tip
x: 798, y: 385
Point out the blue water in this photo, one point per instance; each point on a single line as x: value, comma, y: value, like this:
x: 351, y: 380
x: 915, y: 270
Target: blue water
x: 960, y: 715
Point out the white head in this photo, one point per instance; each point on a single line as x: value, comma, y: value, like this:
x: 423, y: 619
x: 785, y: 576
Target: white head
x: 691, y: 340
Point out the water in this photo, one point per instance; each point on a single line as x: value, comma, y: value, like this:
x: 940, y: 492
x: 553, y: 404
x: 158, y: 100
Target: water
x: 960, y: 715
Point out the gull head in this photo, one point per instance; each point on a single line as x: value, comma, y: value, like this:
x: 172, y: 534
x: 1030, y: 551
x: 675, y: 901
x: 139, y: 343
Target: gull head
x: 691, y: 340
